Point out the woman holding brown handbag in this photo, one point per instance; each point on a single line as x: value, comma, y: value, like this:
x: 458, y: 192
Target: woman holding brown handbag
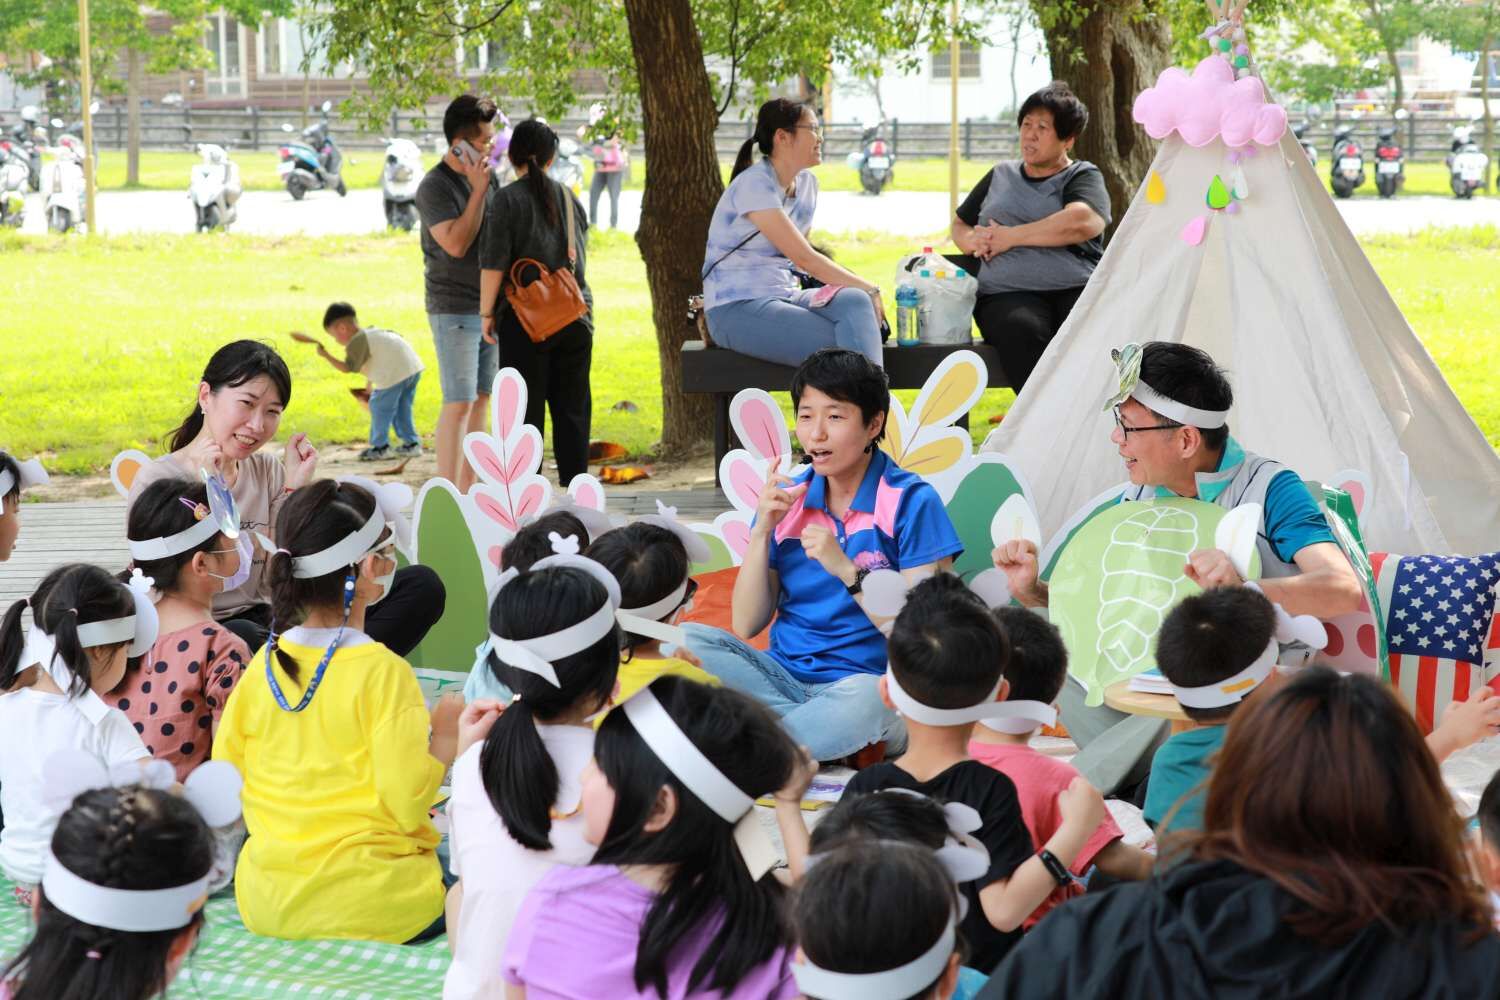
x: 533, y: 297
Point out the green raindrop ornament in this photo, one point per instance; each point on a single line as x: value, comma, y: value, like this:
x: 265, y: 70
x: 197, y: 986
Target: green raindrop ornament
x: 1241, y: 62
x: 1218, y: 195
x: 1223, y: 44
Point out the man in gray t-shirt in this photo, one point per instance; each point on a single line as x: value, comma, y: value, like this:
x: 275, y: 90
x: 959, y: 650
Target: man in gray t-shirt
x: 450, y: 203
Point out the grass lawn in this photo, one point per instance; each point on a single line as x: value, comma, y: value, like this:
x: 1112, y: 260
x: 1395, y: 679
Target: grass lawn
x: 121, y: 372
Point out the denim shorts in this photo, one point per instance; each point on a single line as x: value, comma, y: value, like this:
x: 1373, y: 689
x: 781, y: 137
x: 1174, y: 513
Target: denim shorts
x: 466, y: 364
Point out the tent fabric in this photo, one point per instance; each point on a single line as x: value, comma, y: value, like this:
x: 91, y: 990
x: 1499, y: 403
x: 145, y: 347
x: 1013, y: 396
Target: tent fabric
x: 1327, y: 373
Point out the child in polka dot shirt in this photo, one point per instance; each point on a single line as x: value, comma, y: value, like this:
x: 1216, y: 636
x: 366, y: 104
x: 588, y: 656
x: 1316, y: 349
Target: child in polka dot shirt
x: 176, y: 693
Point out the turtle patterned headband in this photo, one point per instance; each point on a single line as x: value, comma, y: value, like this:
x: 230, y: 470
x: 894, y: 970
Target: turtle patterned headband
x: 1128, y: 369
x: 538, y: 654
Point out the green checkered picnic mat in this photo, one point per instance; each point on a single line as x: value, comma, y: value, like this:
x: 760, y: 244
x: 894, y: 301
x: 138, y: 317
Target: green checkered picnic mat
x: 230, y: 962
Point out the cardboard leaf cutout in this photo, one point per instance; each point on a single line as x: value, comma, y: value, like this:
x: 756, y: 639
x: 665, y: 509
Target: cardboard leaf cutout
x: 951, y: 390
x: 1016, y: 519
x: 991, y: 483
x: 757, y: 420
x: 1117, y: 579
x: 124, y: 467
x: 445, y: 543
x: 1235, y: 536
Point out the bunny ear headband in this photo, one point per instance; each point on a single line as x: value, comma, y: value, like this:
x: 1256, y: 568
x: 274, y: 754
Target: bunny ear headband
x: 213, y: 789
x: 222, y: 516
x: 538, y: 654
x: 885, y: 593
x: 1128, y: 367
x: 678, y: 754
x: 964, y: 857
x: 32, y: 474
x: 139, y: 628
x: 647, y: 620
x: 595, y: 522
x: 389, y: 499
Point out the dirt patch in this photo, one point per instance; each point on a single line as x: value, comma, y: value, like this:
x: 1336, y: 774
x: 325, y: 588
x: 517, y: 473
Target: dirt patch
x: 343, y: 460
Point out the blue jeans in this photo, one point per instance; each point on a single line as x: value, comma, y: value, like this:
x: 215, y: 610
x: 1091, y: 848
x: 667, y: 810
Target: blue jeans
x: 393, y: 405
x: 466, y: 364
x: 785, y: 333
x: 832, y: 720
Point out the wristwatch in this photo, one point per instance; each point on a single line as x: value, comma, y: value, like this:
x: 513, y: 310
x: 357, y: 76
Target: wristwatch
x: 1055, y: 868
x: 859, y: 581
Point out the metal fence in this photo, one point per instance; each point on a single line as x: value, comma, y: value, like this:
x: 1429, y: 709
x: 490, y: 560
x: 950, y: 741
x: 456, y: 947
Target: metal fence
x: 1425, y: 138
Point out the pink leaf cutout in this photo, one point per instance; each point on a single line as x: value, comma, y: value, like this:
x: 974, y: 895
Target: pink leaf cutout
x: 760, y: 427
x: 489, y: 460
x: 531, y: 500
x: 1194, y: 231
x: 495, y: 556
x: 1356, y: 491
x: 520, y: 459
x: 492, y: 509
x: 737, y: 537
x: 589, y: 495
x: 508, y: 406
x: 746, y: 481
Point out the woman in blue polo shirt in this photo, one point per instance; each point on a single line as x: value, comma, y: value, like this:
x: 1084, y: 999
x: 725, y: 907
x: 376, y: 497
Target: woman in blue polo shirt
x: 814, y: 539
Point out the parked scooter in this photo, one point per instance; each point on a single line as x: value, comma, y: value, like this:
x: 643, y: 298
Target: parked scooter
x: 314, y: 164
x: 398, y: 183
x: 214, y: 189
x: 567, y: 166
x: 14, y: 171
x: 1390, y: 163
x: 1467, y: 163
x: 65, y: 208
x: 1348, y: 171
x: 1307, y: 147
x: 29, y: 135
x: 875, y: 161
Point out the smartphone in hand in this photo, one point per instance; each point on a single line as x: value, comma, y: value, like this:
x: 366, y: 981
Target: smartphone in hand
x: 465, y: 153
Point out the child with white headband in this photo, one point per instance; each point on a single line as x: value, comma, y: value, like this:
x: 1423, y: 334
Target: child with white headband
x: 515, y: 811
x: 175, y: 696
x: 678, y: 901
x: 651, y: 562
x: 877, y: 923
x: 84, y: 625
x: 1035, y: 672
x: 947, y: 655
x: 1214, y: 648
x: 15, y: 477
x: 340, y: 757
x: 127, y: 872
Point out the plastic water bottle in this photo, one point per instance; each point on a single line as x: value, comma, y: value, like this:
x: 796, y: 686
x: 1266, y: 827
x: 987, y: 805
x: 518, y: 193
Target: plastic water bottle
x: 907, y: 304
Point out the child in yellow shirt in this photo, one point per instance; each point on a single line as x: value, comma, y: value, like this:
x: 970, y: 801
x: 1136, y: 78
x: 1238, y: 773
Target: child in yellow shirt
x: 340, y: 758
x: 649, y: 557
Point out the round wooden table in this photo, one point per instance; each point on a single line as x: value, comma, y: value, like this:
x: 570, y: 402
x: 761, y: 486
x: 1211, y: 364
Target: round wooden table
x: 1119, y: 697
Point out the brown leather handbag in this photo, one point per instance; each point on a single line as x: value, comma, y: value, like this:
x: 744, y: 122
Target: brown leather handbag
x: 553, y: 300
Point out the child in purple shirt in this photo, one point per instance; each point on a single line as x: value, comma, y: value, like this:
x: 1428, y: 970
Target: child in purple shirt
x: 670, y: 908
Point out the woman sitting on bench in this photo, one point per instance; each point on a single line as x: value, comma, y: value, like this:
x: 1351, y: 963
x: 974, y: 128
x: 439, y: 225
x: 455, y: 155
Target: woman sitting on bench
x: 815, y: 538
x: 1032, y: 227
x: 757, y: 242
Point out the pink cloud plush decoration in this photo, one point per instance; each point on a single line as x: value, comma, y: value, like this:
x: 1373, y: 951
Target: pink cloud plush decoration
x: 1210, y: 104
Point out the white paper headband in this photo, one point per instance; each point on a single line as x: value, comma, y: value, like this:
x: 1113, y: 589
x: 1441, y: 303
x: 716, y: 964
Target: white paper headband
x: 139, y: 628
x: 647, y: 621
x: 345, y: 552
x: 1231, y: 690
x: 213, y: 789
x: 147, y: 549
x: 666, y: 517
x: 32, y: 474
x: 1127, y: 362
x: 891, y: 984
x: 391, y: 499
x: 989, y: 711
x: 699, y: 775
x: 537, y: 654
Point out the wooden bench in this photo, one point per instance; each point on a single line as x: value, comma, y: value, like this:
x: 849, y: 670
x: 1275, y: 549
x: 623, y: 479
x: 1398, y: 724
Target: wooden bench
x: 722, y: 373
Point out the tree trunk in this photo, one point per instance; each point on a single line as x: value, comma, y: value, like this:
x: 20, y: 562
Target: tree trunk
x: 682, y: 187
x: 133, y: 118
x: 1017, y: 28
x: 1107, y: 53
x: 1484, y: 101
x: 1381, y: 21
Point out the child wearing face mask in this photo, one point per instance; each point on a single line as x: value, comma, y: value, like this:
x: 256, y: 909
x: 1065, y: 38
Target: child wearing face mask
x: 340, y: 757
x: 176, y: 694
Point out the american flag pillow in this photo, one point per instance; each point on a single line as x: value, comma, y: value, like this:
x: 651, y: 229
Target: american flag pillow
x: 1441, y: 627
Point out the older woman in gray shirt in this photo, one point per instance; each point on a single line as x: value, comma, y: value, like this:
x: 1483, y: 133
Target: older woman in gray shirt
x: 1033, y: 229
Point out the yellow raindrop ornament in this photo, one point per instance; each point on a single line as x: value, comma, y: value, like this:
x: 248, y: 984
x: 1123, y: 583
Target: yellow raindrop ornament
x: 1156, y: 190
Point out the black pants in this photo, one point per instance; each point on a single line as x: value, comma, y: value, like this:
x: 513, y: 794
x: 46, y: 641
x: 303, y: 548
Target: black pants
x: 399, y: 621
x: 556, y: 372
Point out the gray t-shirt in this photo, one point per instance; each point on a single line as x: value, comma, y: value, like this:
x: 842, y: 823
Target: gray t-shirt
x: 452, y: 282
x: 516, y: 226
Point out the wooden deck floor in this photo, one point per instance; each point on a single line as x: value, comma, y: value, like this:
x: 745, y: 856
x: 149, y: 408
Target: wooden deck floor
x: 94, y: 532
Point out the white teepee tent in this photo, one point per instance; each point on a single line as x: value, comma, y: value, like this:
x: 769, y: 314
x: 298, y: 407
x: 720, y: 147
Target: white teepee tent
x: 1326, y: 371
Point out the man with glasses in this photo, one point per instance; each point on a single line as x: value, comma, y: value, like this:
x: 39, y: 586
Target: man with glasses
x: 1172, y: 432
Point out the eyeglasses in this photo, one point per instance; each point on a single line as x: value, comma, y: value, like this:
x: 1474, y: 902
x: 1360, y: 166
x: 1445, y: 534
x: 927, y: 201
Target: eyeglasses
x: 1127, y: 431
x: 816, y: 130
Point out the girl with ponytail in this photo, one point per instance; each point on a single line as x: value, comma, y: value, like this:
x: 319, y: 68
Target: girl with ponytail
x: 757, y: 244
x: 515, y: 805
x: 84, y: 625
x: 340, y: 757
x: 529, y: 220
